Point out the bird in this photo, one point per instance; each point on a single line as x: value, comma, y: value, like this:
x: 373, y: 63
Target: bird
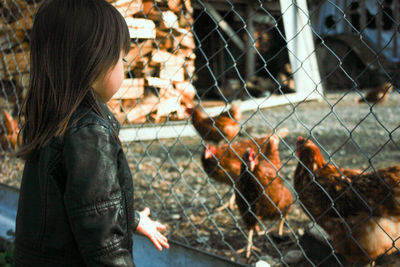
x: 359, y: 210
x: 225, y: 126
x: 378, y: 95
x: 223, y: 162
x: 260, y: 191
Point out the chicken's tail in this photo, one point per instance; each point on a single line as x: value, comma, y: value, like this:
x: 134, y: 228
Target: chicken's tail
x: 282, y: 133
x: 235, y: 111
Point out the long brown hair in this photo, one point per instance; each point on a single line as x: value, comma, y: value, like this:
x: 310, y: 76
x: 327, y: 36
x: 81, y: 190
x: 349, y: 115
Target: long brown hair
x: 73, y: 42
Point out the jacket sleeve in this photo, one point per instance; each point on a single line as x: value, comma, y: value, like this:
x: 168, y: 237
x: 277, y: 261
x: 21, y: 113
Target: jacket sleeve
x: 93, y: 197
x: 136, y: 220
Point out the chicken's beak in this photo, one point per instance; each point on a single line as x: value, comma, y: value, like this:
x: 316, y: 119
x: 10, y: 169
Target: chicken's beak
x: 252, y: 165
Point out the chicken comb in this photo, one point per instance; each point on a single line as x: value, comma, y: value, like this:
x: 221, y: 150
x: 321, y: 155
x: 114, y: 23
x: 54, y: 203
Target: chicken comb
x: 251, y: 154
x: 211, y: 148
x: 300, y: 138
x: 209, y: 151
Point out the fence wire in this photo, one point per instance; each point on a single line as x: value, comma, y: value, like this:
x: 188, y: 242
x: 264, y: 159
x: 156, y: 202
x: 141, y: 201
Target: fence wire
x: 212, y: 88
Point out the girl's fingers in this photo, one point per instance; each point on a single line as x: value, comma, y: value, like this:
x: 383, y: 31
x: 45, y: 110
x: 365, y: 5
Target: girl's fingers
x: 156, y: 243
x: 146, y: 211
x: 163, y: 240
x: 162, y: 237
x: 159, y: 241
x: 164, y: 244
x: 160, y: 226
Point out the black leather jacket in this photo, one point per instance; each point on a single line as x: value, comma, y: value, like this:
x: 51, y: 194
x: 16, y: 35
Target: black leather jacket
x: 76, y: 199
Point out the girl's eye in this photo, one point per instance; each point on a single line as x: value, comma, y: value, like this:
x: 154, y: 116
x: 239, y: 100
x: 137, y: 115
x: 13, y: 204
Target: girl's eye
x: 124, y: 60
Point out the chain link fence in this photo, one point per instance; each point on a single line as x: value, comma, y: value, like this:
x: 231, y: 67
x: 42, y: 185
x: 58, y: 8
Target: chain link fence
x: 198, y: 69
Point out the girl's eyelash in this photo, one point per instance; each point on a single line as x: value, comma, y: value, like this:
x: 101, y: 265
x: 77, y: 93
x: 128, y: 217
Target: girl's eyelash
x: 124, y: 60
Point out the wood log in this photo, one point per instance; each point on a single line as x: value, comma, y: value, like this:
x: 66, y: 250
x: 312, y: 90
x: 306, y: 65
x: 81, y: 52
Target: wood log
x: 12, y: 38
x: 166, y: 43
x: 161, y: 56
x: 140, y: 71
x: 175, y: 5
x: 130, y: 88
x: 149, y: 62
x: 168, y: 106
x: 24, y: 23
x: 186, y: 91
x: 184, y: 38
x: 14, y: 63
x: 137, y: 62
x: 186, y: 21
x: 186, y: 53
x: 151, y: 11
x: 139, y: 51
x: 189, y: 69
x: 169, y: 20
x: 172, y: 72
x: 13, y: 10
x: 141, y: 28
x: 138, y: 114
x: 168, y: 92
x: 157, y: 82
x: 188, y: 7
x: 9, y: 137
x: 161, y: 34
x: 22, y: 80
x: 127, y: 7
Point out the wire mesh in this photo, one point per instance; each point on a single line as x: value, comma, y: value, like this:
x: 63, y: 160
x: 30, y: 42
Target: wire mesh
x: 192, y: 60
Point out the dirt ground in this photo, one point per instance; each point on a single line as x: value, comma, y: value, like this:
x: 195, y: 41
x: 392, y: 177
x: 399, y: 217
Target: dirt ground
x: 169, y: 179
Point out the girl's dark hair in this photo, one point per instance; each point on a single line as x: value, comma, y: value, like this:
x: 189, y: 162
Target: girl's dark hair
x: 73, y: 42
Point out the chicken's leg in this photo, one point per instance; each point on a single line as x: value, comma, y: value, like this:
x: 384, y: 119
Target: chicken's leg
x: 280, y: 229
x: 232, y: 201
x: 250, y: 244
x: 230, y: 204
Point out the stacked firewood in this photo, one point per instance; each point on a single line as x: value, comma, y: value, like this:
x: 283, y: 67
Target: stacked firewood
x: 15, y: 24
x: 160, y: 63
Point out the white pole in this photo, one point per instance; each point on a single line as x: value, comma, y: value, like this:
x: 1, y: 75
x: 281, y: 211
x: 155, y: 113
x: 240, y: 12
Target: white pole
x: 301, y: 48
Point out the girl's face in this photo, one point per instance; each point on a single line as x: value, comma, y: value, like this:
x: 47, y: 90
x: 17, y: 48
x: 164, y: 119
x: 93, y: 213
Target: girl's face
x: 107, y: 85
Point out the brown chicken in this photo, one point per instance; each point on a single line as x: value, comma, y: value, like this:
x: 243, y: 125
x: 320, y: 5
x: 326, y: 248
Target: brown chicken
x: 218, y: 128
x: 9, y: 132
x: 229, y: 158
x: 260, y: 192
x: 378, y: 95
x: 222, y: 163
x: 360, y: 211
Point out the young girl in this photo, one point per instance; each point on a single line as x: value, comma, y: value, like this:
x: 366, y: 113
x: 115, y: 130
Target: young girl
x: 76, y: 196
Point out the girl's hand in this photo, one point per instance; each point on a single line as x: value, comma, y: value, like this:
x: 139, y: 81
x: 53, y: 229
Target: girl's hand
x: 150, y: 228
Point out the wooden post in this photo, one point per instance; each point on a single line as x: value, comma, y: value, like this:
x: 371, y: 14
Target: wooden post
x: 225, y: 26
x: 250, y: 56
